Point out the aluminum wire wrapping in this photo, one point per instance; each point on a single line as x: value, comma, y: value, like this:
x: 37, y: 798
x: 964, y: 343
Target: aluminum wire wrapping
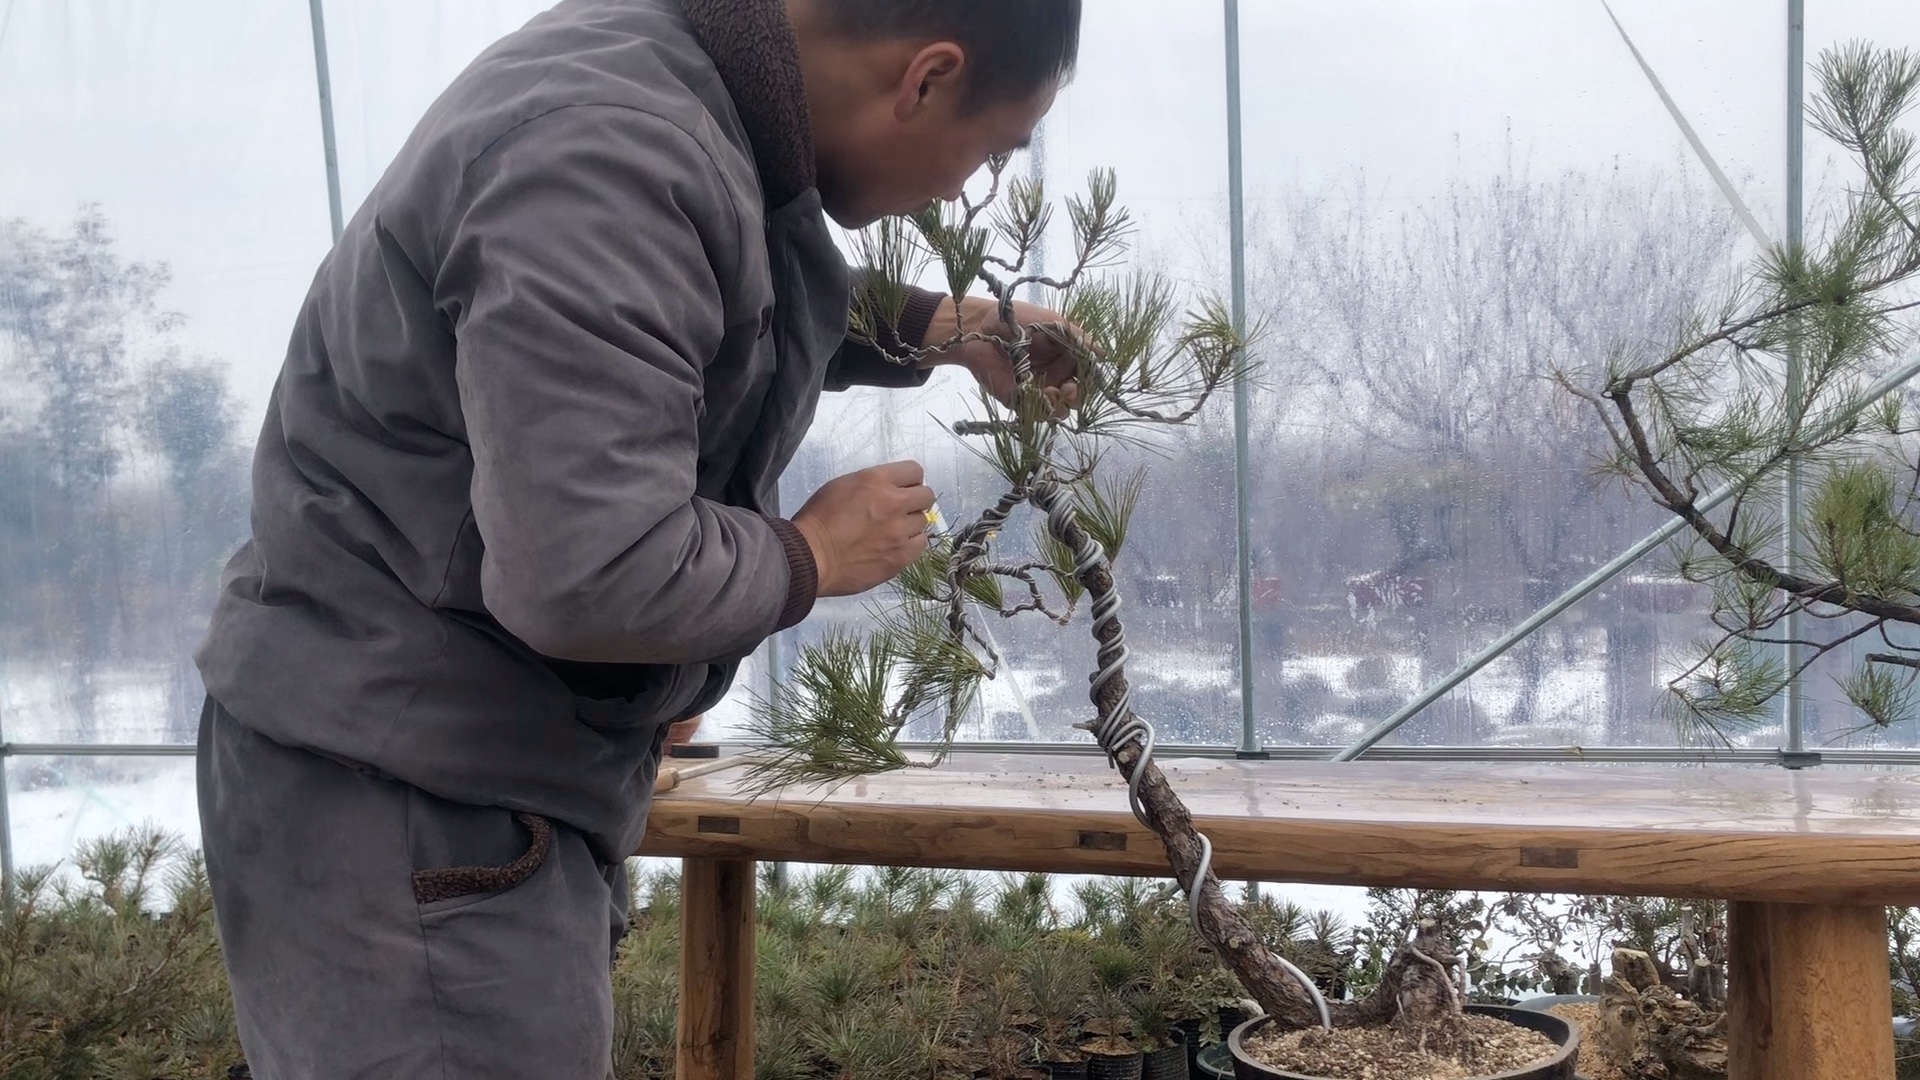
x: 1113, y: 728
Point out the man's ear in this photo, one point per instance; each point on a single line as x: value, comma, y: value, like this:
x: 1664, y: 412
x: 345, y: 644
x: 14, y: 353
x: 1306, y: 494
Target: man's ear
x: 934, y: 73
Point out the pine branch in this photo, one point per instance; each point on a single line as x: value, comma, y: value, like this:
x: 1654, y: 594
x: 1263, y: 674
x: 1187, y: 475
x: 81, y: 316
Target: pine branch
x: 1753, y: 567
x: 1727, y: 334
x: 1023, y: 573
x: 1823, y: 312
x: 1889, y: 642
x: 996, y: 166
x: 1864, y: 97
x: 969, y: 549
x: 1888, y: 658
x: 1885, y: 697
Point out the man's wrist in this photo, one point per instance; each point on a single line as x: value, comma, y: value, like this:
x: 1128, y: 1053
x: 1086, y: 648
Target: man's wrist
x: 818, y: 548
x: 803, y: 571
x: 921, y: 319
x: 942, y: 328
x: 955, y: 318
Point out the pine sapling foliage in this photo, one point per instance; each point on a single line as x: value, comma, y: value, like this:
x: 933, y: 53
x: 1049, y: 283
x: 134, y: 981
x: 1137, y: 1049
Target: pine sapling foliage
x: 1793, y: 370
x: 1141, y: 362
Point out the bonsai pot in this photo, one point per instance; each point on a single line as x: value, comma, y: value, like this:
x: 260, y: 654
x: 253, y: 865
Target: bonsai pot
x: 681, y: 732
x: 1558, y: 1066
x: 1215, y: 1062
x: 1190, y: 1033
x: 1548, y: 1001
x: 1111, y: 1066
x: 1231, y: 1016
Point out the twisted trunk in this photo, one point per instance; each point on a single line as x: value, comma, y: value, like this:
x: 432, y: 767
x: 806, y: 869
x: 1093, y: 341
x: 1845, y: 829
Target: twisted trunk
x: 1410, y: 989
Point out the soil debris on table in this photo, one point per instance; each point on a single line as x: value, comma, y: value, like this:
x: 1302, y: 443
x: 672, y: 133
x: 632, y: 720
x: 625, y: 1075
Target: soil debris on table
x: 1485, y: 1045
x: 1586, y: 1017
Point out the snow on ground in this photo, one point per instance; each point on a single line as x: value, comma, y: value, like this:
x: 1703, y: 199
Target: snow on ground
x: 1332, y: 670
x: 56, y: 803
x: 1571, y: 697
x: 1184, y: 670
x: 1013, y: 692
x: 130, y: 703
x: 1339, y: 671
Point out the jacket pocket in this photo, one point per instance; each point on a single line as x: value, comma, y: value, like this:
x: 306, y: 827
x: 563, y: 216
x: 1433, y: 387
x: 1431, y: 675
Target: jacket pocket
x: 470, y: 853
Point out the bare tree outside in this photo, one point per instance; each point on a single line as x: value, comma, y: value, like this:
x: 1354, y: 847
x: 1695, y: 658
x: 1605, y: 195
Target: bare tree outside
x: 122, y: 487
x: 1420, y: 473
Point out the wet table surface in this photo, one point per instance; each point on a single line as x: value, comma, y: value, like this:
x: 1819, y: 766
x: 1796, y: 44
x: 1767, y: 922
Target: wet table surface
x: 1759, y: 833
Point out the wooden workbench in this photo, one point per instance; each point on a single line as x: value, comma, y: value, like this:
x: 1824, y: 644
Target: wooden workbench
x: 1809, y: 858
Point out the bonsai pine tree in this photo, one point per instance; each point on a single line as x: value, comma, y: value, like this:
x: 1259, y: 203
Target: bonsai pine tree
x: 1145, y: 363
x: 1793, y: 371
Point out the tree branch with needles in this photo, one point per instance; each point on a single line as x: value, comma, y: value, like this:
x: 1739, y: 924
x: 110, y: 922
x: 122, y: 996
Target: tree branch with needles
x: 1716, y: 406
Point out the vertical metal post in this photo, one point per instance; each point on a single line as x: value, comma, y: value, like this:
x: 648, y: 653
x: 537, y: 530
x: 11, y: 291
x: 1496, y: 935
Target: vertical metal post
x: 773, y: 669
x: 1237, y: 243
x: 6, y: 829
x: 1037, y: 176
x: 1795, y: 702
x: 324, y: 75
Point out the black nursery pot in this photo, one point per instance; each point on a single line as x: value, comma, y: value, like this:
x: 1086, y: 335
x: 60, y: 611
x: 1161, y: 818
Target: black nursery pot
x: 1230, y: 1018
x: 1557, y: 1067
x: 1066, y: 1070
x: 1189, y: 1033
x: 1168, y: 1064
x: 1113, y: 1066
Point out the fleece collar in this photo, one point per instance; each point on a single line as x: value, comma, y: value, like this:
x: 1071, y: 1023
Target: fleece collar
x: 752, y: 43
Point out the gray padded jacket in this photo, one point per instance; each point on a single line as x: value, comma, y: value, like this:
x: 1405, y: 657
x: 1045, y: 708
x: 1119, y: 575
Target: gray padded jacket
x: 515, y: 499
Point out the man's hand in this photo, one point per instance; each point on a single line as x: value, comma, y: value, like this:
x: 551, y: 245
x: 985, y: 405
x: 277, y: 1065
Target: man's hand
x: 1055, y: 362
x: 865, y: 527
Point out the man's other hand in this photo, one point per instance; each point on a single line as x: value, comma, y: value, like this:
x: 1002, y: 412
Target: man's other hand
x: 867, y: 526
x: 1053, y: 355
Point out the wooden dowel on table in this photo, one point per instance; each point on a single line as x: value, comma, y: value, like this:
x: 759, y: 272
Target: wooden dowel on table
x: 672, y: 776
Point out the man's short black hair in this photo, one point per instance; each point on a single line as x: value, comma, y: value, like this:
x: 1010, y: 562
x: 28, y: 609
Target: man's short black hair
x: 1014, y: 47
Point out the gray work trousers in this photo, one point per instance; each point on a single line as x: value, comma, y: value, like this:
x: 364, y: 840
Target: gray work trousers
x: 373, y: 932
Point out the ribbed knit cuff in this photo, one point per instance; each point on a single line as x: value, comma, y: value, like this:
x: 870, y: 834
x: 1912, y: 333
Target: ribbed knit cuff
x: 803, y: 577
x: 916, y: 315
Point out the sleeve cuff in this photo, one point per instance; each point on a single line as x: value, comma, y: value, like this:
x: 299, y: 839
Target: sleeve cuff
x: 865, y: 364
x: 917, y: 315
x: 803, y: 577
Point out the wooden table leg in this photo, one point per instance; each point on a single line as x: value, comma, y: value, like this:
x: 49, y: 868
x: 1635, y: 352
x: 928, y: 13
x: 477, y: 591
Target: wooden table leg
x: 1808, y: 995
x: 715, y: 1032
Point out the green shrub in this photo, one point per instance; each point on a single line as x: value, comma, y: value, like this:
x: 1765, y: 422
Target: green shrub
x: 114, y: 972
